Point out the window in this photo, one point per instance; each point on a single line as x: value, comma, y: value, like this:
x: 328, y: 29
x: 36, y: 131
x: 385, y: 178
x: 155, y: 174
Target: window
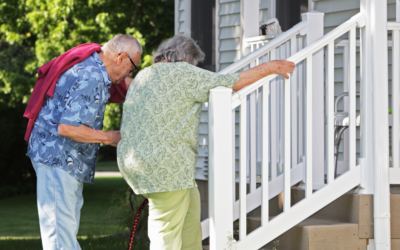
x: 288, y: 12
x: 203, y: 30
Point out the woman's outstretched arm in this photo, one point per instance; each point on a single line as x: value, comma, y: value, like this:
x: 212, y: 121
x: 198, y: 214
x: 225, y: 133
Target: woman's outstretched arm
x: 279, y: 67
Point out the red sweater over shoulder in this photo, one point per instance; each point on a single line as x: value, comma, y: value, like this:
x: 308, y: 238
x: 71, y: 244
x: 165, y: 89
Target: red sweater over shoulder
x: 48, y: 76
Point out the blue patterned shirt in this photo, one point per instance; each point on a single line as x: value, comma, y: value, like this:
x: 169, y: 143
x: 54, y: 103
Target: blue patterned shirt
x: 79, y: 99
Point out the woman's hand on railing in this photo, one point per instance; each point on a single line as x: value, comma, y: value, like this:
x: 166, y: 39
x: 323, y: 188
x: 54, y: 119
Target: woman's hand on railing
x: 282, y: 67
x: 279, y: 67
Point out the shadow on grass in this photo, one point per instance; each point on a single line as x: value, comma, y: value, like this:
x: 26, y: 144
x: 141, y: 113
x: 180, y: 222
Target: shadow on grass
x: 116, y: 242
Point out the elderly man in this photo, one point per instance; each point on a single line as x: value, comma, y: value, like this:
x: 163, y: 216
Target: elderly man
x: 64, y: 141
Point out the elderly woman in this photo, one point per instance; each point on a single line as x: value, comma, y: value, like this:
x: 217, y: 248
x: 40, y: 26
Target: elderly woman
x: 160, y: 130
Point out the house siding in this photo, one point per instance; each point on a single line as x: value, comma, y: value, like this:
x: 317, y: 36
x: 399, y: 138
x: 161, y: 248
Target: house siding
x: 264, y: 10
x: 229, y: 32
x: 181, y: 17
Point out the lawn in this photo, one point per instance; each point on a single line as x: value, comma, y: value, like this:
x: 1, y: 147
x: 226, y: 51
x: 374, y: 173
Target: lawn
x: 19, y: 227
x: 111, y: 166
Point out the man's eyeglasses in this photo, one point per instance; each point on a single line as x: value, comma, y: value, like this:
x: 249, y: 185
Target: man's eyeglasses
x: 134, y: 66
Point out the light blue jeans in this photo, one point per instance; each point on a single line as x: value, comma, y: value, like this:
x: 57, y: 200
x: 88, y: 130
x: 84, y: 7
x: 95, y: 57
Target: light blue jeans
x: 59, y: 201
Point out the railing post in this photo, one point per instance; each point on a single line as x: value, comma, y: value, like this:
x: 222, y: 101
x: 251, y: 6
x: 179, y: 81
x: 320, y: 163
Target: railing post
x: 315, y: 30
x: 366, y: 102
x: 220, y: 193
x: 376, y: 38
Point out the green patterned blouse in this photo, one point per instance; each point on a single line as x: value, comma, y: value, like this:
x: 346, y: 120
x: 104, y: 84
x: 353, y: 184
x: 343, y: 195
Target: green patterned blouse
x: 160, y: 125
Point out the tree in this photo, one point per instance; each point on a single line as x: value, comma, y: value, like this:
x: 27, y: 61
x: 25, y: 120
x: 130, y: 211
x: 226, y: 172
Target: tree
x: 33, y: 32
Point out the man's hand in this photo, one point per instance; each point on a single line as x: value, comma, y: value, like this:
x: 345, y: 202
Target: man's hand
x: 279, y: 67
x: 89, y: 135
x: 114, y: 137
x: 282, y: 67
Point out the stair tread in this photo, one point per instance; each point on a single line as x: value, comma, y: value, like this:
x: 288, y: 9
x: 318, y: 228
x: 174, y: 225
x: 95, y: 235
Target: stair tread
x: 313, y: 222
x: 208, y: 248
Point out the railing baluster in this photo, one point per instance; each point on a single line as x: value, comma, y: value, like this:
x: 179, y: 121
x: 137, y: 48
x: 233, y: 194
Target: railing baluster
x: 243, y: 170
x: 259, y: 127
x: 287, y: 162
x: 294, y: 81
x: 274, y: 119
x: 346, y: 68
x: 253, y: 147
x: 309, y: 131
x: 301, y: 102
x: 234, y: 154
x: 395, y: 99
x: 330, y: 95
x: 282, y: 50
x: 265, y: 155
x: 257, y: 59
x: 352, y: 98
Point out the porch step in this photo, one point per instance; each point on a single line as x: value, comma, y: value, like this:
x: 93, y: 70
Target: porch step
x: 316, y: 234
x: 395, y: 244
x: 208, y: 248
x: 358, y: 209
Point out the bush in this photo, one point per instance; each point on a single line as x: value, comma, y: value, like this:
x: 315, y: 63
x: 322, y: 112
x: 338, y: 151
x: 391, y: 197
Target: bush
x: 17, y: 175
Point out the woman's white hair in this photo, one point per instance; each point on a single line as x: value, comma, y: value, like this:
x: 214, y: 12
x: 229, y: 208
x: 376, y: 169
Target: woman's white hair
x: 179, y: 48
x: 123, y: 43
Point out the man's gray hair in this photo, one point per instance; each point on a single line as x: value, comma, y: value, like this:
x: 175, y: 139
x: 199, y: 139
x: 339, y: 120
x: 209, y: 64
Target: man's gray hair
x: 123, y: 43
x: 179, y: 48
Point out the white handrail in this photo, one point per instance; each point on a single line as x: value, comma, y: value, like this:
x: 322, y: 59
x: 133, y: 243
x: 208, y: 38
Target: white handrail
x: 265, y: 48
x: 303, y: 54
x: 393, y: 26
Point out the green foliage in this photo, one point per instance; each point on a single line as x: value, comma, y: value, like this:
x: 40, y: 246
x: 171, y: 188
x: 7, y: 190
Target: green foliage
x: 37, y: 31
x: 15, y: 83
x: 33, y: 32
x: 54, y: 26
x: 87, y: 243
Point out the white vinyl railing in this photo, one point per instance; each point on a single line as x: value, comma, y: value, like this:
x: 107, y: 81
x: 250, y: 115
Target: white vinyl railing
x: 281, y: 47
x: 259, y: 41
x: 394, y: 118
x: 221, y: 173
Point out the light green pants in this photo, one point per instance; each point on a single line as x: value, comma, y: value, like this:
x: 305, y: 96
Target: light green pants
x: 174, y: 220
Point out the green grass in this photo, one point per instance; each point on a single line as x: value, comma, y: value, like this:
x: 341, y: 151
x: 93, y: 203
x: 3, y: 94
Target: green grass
x: 86, y: 243
x: 19, y: 227
x: 107, y: 166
